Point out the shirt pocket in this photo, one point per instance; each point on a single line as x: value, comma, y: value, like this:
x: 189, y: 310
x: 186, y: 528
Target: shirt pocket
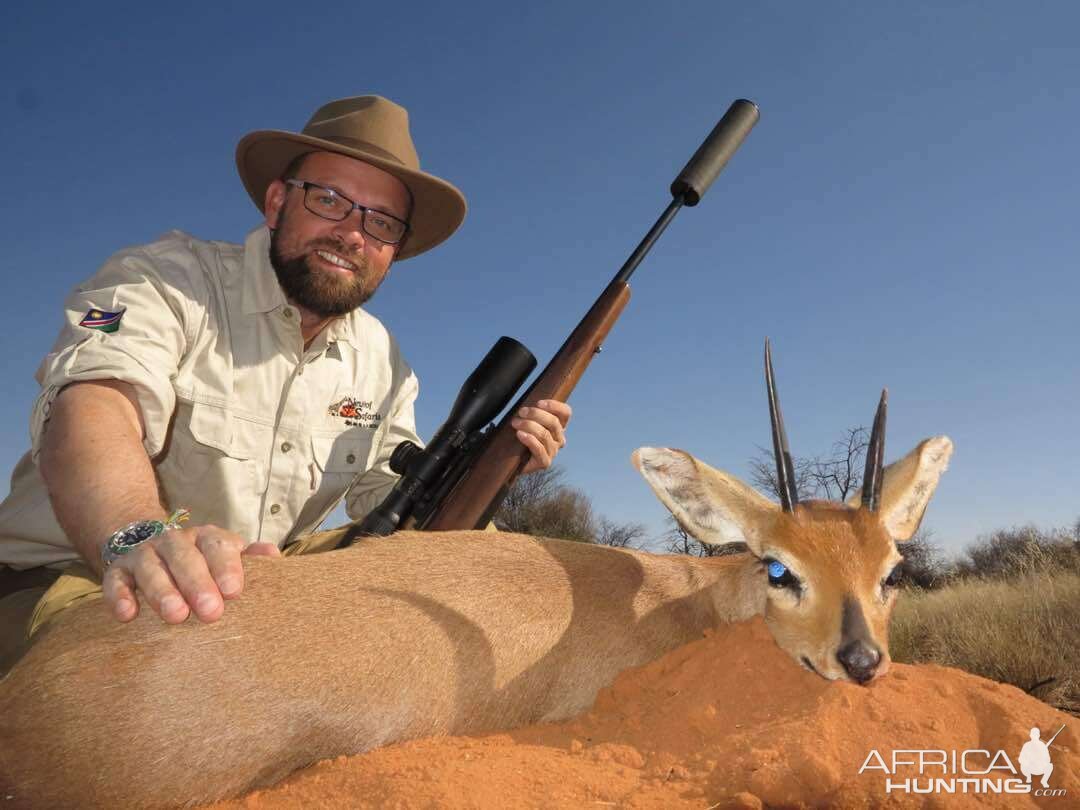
x: 339, y: 459
x: 220, y: 470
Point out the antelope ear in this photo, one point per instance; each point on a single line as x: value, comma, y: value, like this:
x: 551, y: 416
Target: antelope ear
x: 908, y: 486
x: 710, y: 505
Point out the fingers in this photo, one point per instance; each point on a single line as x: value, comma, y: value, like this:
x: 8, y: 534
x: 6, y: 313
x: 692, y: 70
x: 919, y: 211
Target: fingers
x: 180, y: 572
x: 118, y: 587
x: 540, y: 458
x: 149, y: 572
x: 542, y: 430
x: 222, y: 553
x: 261, y: 550
x: 560, y: 410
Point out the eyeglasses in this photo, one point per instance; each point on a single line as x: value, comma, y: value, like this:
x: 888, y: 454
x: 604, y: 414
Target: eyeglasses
x: 326, y: 203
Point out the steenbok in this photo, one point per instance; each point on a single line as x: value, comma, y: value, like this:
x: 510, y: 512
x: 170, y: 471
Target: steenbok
x: 420, y: 634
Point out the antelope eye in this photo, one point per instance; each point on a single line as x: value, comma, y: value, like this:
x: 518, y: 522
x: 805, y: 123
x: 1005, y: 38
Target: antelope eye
x: 893, y: 579
x: 780, y: 576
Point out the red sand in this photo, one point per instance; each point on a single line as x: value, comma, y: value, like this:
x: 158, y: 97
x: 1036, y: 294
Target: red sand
x: 728, y: 721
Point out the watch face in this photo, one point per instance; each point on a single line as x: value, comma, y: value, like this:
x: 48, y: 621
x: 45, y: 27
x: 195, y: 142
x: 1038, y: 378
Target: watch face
x: 135, y: 534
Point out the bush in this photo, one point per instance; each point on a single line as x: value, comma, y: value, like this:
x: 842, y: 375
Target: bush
x: 620, y: 535
x: 924, y: 566
x: 1018, y: 551
x: 1024, y: 631
x: 541, y: 505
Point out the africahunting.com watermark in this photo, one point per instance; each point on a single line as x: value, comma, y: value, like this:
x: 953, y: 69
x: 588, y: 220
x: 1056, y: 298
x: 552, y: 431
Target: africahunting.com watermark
x: 974, y: 770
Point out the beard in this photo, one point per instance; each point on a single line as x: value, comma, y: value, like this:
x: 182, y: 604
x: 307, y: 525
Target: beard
x: 323, y: 293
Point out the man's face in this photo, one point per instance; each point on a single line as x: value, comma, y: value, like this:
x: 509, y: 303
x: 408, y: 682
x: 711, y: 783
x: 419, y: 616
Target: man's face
x: 306, y: 250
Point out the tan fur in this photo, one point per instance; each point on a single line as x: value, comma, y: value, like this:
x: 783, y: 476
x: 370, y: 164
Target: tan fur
x: 720, y: 508
x: 396, y: 638
x: 421, y: 634
x: 909, y: 483
x: 840, y: 552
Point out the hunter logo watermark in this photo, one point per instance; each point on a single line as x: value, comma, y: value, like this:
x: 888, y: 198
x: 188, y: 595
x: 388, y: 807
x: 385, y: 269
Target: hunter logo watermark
x: 1035, y: 757
x: 975, y: 770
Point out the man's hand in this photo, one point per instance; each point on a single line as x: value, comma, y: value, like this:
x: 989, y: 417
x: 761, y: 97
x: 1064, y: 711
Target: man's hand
x: 180, y: 571
x: 543, y: 431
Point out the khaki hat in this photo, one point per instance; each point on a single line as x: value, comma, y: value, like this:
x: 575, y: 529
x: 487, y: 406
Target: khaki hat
x: 371, y: 129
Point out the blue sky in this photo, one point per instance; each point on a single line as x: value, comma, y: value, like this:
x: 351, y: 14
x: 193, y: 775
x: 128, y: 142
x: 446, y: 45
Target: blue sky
x: 903, y: 214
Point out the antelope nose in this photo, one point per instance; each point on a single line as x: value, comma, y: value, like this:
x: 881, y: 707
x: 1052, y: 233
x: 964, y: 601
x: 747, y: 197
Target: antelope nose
x: 859, y: 659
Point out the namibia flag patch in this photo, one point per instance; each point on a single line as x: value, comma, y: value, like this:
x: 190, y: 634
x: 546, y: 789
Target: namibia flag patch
x: 101, y: 320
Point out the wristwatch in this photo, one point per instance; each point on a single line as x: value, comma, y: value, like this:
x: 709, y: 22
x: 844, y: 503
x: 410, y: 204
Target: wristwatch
x: 135, y: 534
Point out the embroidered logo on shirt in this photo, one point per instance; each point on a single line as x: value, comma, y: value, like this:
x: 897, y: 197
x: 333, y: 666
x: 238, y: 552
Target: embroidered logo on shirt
x: 356, y: 412
x: 101, y: 320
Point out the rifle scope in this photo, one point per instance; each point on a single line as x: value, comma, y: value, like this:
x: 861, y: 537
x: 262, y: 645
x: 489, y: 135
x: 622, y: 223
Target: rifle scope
x: 486, y: 392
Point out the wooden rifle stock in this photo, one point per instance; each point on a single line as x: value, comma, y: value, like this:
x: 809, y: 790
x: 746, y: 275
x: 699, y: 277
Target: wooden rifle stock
x: 472, y: 502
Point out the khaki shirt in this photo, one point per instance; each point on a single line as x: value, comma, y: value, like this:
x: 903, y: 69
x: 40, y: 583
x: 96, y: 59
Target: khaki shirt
x: 245, y: 428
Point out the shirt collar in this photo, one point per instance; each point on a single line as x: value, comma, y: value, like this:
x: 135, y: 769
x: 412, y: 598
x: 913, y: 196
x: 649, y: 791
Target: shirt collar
x: 261, y: 290
x: 262, y: 293
x: 343, y: 328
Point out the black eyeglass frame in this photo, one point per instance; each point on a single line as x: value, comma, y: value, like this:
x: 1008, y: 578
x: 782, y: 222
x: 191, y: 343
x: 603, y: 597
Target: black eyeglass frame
x: 304, y: 185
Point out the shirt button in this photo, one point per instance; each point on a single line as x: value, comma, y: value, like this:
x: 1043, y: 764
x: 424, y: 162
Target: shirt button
x: 350, y: 459
x: 275, y: 509
x: 287, y: 313
x: 285, y: 447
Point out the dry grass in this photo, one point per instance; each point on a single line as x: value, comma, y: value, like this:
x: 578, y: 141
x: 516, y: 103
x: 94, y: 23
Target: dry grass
x: 1023, y: 630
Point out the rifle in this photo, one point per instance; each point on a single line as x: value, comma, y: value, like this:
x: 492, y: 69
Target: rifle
x: 459, y: 480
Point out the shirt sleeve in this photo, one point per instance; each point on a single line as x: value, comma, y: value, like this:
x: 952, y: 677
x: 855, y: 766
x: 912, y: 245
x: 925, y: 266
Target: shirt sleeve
x: 370, y: 488
x: 127, y: 323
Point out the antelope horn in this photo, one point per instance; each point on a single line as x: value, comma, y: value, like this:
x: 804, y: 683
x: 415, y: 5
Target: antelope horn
x: 875, y: 456
x: 785, y: 470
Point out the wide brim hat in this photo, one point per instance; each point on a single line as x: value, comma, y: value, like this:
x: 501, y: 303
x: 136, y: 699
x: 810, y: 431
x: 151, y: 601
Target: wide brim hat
x: 368, y: 128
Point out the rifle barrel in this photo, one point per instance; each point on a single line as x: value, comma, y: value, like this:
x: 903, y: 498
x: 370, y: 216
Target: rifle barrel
x: 646, y: 244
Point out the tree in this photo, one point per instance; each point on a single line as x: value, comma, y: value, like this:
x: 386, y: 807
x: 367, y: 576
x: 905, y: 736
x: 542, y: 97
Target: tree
x: 620, y: 535
x: 516, y: 514
x: 923, y: 566
x: 679, y: 541
x: 566, y: 514
x: 840, y: 475
x: 833, y: 477
x: 541, y: 505
x: 763, y: 474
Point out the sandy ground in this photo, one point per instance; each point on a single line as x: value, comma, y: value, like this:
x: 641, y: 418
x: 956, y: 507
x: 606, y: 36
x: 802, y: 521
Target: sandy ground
x: 728, y: 721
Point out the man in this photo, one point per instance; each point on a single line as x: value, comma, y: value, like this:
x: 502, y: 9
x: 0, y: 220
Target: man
x: 243, y: 383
